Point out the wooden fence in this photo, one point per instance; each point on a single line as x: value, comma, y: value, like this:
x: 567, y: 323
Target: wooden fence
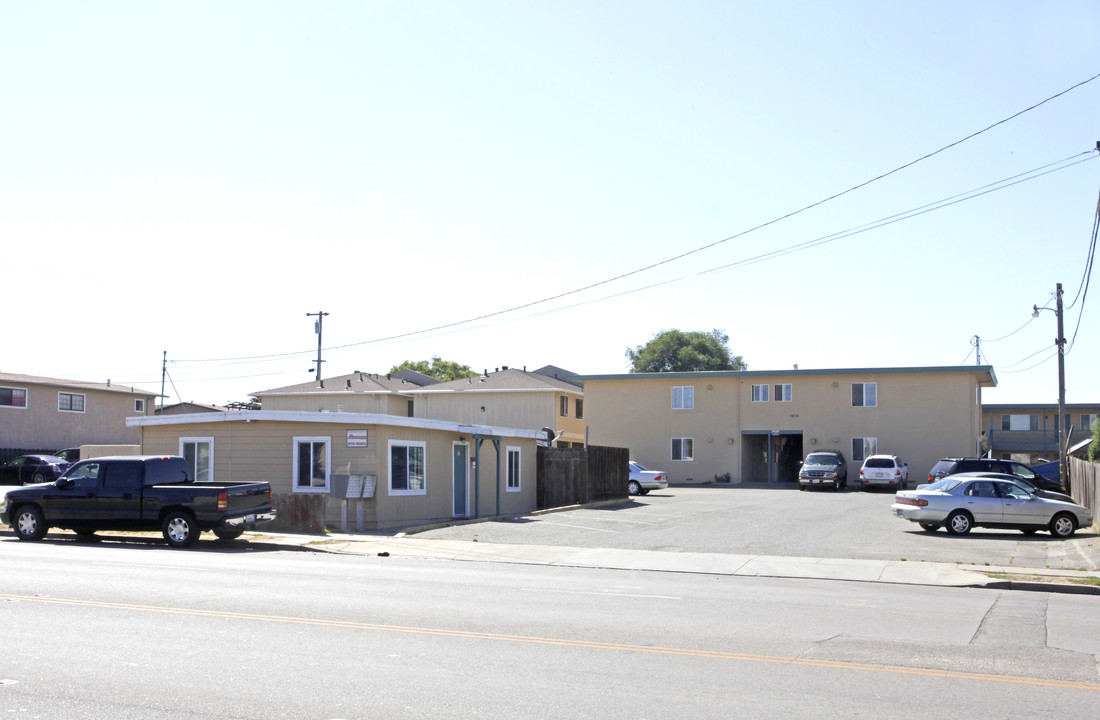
x: 1085, y: 484
x: 574, y: 476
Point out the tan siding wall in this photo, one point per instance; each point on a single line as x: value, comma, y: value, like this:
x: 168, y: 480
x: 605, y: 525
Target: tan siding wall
x: 919, y: 416
x: 263, y: 451
x: 351, y: 402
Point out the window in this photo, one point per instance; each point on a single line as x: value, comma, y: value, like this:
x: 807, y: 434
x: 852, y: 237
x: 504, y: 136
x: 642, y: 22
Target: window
x: 407, y: 468
x: 565, y: 406
x: 864, y: 394
x: 1087, y: 421
x: 683, y: 397
x: 312, y: 457
x: 863, y: 448
x: 139, y: 405
x: 411, y: 408
x: 13, y: 397
x: 683, y: 449
x: 783, y: 393
x: 1019, y: 422
x: 759, y: 393
x: 70, y: 402
x: 199, y: 454
x: 512, y: 469
x: 579, y: 404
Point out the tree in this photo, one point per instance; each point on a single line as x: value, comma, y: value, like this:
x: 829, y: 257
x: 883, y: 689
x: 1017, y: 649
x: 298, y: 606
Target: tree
x: 1094, y: 446
x: 439, y: 369
x: 677, y: 351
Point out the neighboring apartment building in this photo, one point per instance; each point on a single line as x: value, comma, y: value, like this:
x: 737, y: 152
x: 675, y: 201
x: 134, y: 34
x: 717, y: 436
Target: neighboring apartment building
x: 42, y: 413
x: 1028, y: 432
x: 358, y: 392
x: 755, y: 426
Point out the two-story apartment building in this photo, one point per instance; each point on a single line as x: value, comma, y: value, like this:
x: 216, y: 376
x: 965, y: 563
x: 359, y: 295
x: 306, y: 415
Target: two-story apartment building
x: 43, y: 413
x: 1028, y: 432
x: 754, y: 426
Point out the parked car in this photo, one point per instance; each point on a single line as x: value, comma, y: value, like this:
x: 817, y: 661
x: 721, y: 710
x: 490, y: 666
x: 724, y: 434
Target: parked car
x: 823, y: 468
x: 883, y: 471
x: 1050, y: 470
x: 1025, y: 484
x: 960, y: 503
x: 642, y: 479
x: 69, y: 455
x: 27, y: 469
x: 954, y: 466
x: 137, y: 493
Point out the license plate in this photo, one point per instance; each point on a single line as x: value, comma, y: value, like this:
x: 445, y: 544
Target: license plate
x: 250, y: 518
x: 816, y: 481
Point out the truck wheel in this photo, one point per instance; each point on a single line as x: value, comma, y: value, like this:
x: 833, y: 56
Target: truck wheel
x: 229, y: 534
x: 179, y: 529
x: 29, y: 524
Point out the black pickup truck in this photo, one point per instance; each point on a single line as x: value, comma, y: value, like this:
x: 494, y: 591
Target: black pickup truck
x: 137, y: 493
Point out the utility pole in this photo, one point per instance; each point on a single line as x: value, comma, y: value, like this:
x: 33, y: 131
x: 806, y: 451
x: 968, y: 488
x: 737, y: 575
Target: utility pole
x: 1063, y: 436
x: 320, y: 315
x: 977, y: 343
x: 163, y: 374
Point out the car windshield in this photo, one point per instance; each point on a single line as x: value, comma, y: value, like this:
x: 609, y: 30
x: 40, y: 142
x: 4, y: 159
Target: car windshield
x: 821, y: 459
x: 879, y: 463
x: 639, y: 467
x: 945, y: 485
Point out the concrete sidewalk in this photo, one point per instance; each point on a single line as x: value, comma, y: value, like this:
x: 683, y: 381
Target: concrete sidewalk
x: 897, y: 572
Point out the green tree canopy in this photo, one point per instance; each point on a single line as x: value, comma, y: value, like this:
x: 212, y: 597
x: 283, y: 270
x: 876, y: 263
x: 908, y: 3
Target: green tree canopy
x: 437, y: 368
x: 678, y: 351
x: 1094, y: 446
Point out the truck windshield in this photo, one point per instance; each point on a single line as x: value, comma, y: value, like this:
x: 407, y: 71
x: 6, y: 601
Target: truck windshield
x: 821, y: 460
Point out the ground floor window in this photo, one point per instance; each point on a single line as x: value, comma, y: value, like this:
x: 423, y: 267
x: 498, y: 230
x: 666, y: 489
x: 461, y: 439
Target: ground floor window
x: 683, y: 449
x: 512, y: 464
x: 312, y: 458
x: 199, y: 454
x: 407, y: 468
x: 863, y: 448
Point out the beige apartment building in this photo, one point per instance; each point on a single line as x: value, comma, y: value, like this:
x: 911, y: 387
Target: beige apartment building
x: 756, y: 426
x: 1028, y: 432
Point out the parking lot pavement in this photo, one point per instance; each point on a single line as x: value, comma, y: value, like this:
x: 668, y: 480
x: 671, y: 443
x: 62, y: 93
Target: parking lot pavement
x: 775, y: 520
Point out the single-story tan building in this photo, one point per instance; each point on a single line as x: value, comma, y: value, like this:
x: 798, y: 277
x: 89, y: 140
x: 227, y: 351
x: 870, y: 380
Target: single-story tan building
x: 756, y: 426
x: 402, y: 471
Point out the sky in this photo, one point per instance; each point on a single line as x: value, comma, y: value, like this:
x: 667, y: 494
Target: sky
x: 533, y: 183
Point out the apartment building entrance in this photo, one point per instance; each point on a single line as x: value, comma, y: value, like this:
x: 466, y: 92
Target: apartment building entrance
x: 771, y: 456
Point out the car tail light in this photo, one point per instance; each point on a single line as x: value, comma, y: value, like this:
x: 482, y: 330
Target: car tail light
x: 223, y: 501
x: 910, y: 501
x: 931, y: 478
x: 897, y: 473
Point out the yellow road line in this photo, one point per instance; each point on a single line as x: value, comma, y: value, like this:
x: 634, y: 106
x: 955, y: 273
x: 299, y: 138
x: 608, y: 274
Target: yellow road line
x: 564, y: 642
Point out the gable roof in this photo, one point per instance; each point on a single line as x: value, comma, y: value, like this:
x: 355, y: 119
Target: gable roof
x: 558, y: 373
x: 19, y: 379
x: 356, y: 382
x: 506, y: 380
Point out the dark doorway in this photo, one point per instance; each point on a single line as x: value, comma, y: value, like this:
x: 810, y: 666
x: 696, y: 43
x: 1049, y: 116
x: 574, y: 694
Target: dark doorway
x: 771, y: 457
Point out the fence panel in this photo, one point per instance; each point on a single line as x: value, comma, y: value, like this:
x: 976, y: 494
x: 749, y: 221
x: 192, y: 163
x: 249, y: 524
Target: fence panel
x: 1085, y: 484
x: 574, y: 476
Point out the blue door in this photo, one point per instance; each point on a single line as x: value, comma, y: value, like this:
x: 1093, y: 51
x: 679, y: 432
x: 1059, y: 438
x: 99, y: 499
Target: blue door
x: 461, y: 478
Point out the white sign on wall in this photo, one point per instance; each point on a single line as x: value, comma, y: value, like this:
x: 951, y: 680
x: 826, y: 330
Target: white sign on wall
x: 357, y: 438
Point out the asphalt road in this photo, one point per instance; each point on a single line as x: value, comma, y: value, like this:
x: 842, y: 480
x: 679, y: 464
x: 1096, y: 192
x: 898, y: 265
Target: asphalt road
x: 776, y: 520
x: 134, y: 630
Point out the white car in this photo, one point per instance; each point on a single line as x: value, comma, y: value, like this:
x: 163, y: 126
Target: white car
x: 961, y: 502
x: 642, y: 479
x: 884, y: 471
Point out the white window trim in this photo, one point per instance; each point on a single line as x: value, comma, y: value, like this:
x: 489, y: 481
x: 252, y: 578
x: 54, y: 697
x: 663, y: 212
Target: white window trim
x: 786, y: 394
x: 139, y: 405
x: 295, y: 487
x: 874, y: 448
x: 210, y: 440
x: 760, y: 393
x: 687, y: 397
x: 864, y: 398
x: 519, y: 469
x: 682, y: 440
x: 26, y: 397
x: 389, y: 466
x: 83, y: 401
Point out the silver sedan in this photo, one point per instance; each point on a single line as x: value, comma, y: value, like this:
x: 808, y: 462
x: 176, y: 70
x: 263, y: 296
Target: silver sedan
x: 642, y: 479
x: 960, y: 502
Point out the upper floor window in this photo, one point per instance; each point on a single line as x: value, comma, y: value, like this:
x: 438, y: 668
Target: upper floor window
x: 139, y: 405
x: 1019, y: 422
x: 783, y: 393
x: 864, y: 394
x: 13, y: 397
x: 579, y: 405
x: 759, y: 393
x: 1087, y: 420
x: 70, y: 402
x: 683, y: 397
x: 564, y: 406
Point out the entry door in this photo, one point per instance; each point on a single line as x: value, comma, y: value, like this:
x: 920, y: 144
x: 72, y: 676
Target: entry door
x: 461, y: 478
